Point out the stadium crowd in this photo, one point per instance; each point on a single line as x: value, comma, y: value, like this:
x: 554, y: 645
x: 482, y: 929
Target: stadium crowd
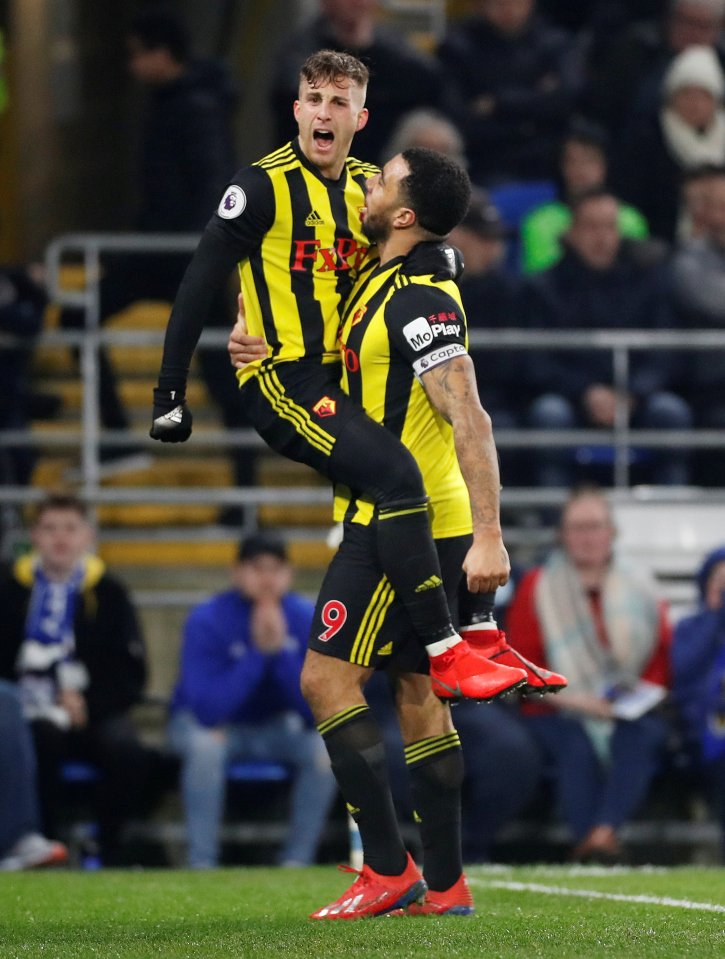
x: 594, y: 134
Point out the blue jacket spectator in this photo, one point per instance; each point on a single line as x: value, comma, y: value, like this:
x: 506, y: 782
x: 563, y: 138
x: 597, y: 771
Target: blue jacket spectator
x: 226, y: 678
x: 698, y: 672
x: 238, y: 698
x: 516, y: 82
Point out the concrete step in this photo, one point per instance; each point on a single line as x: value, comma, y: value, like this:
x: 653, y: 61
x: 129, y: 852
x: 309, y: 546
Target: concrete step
x: 143, y: 315
x: 136, y: 394
x: 173, y: 472
x: 53, y: 361
x: 276, y: 470
x: 143, y: 553
x: 273, y: 471
x: 315, y: 515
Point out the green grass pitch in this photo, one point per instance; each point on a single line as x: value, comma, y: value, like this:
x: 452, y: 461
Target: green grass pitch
x: 260, y: 912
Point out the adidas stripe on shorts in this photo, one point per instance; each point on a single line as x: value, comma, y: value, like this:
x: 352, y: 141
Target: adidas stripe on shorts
x: 358, y: 618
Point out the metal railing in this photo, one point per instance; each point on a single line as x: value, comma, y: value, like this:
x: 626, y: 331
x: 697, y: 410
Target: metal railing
x: 88, y: 249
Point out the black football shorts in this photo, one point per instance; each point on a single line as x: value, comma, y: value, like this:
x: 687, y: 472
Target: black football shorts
x: 299, y: 409
x: 358, y: 618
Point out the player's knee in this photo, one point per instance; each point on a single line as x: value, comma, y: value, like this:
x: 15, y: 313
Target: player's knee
x: 330, y: 685
x: 401, y: 481
x: 311, y: 686
x: 318, y: 687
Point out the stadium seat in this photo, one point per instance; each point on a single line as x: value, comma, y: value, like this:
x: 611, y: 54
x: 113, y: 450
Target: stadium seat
x: 513, y: 201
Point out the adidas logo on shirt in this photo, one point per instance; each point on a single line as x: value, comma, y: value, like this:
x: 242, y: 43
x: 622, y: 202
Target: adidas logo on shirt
x: 314, y: 219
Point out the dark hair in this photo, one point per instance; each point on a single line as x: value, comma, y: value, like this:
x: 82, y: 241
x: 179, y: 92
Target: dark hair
x: 156, y: 29
x: 329, y: 66
x: 64, y: 501
x: 437, y: 188
x: 596, y: 193
x: 262, y: 544
x: 588, y: 134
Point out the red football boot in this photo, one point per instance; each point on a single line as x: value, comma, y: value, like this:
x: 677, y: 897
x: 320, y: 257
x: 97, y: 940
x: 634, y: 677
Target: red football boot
x: 492, y: 643
x: 456, y: 901
x: 373, y: 894
x: 463, y: 673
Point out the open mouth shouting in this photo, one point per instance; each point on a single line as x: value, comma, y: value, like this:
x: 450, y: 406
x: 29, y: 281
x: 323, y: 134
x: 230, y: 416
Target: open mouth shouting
x: 323, y: 138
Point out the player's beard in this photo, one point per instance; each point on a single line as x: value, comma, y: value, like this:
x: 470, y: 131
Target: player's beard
x: 376, y: 228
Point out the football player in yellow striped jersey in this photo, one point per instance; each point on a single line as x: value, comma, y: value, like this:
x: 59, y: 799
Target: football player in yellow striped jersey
x: 403, y: 341
x: 291, y: 222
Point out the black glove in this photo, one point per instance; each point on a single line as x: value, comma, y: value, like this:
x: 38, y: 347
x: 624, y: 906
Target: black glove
x: 171, y: 417
x: 443, y: 260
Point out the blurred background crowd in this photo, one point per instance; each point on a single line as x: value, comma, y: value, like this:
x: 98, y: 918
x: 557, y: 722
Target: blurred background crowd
x: 595, y: 138
x: 594, y: 134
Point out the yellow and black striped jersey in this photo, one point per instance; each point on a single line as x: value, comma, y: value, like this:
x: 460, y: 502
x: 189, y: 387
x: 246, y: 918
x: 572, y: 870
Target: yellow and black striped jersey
x: 300, y: 245
x: 396, y: 327
x: 297, y: 241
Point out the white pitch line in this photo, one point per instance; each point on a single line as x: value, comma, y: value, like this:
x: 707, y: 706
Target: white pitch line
x: 595, y: 894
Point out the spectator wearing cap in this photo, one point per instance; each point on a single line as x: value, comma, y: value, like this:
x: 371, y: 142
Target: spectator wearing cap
x: 490, y: 298
x: 687, y: 132
x: 583, y: 166
x: 238, y: 698
x: 625, y: 75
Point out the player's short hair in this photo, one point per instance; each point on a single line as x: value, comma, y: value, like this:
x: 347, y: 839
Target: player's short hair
x: 60, y: 501
x: 157, y: 29
x: 329, y: 66
x: 437, y: 189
